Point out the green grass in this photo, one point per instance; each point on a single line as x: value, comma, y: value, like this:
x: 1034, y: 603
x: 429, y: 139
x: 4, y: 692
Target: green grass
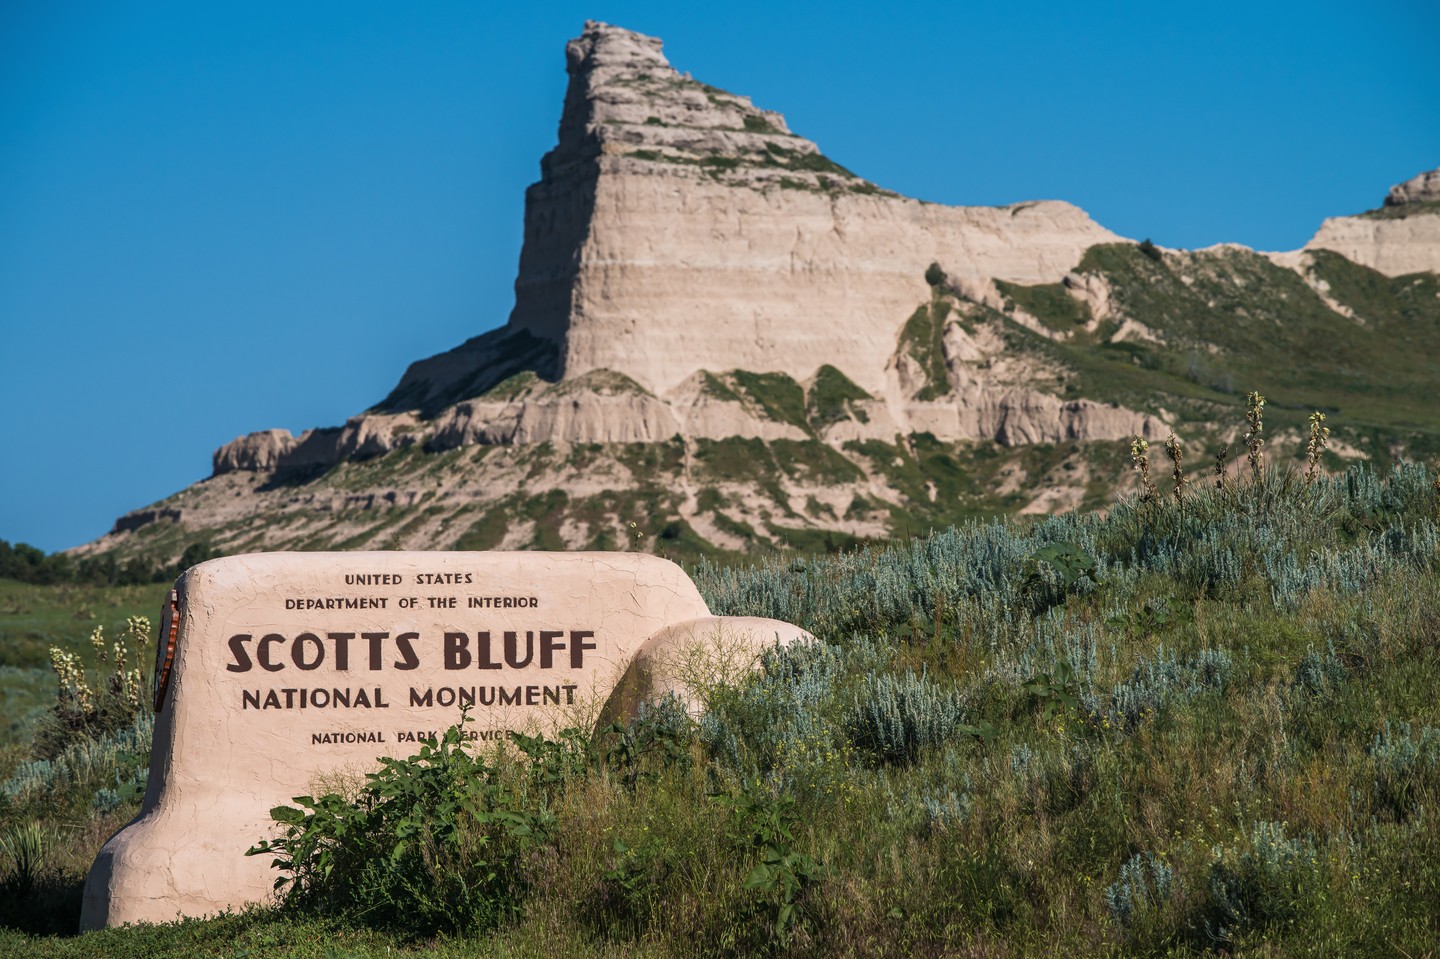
x: 1403, y: 211
x: 813, y: 462
x: 754, y: 123
x: 923, y: 338
x: 34, y: 618
x: 1233, y: 321
x: 720, y: 163
x: 786, y: 158
x: 934, y: 484
x: 1049, y: 303
x: 1238, y: 694
x: 833, y: 397
x: 779, y: 396
x: 512, y: 387
x: 488, y: 531
x: 603, y: 382
x: 733, y: 459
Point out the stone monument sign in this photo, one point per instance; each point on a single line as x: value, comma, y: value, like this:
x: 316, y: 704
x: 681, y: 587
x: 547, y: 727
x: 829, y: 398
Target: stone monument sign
x: 277, y: 670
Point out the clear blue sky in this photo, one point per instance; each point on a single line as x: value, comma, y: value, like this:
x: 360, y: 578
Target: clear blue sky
x: 223, y: 217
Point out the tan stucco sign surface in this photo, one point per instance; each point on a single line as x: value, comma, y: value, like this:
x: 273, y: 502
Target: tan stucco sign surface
x: 276, y: 670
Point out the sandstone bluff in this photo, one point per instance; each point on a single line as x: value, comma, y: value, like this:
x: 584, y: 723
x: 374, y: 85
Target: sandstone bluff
x: 724, y: 335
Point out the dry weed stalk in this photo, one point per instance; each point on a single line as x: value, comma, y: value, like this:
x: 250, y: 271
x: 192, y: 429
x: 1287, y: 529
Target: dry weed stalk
x: 1222, y: 465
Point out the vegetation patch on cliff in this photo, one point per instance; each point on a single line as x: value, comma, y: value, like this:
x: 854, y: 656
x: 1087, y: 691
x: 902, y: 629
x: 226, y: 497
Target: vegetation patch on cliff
x: 1230, y: 316
x: 922, y: 339
x: 832, y: 397
x: 1048, y: 303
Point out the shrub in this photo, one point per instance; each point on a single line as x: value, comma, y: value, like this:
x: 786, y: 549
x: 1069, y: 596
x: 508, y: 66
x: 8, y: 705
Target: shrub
x: 1158, y: 681
x: 1146, y: 883
x: 115, y: 762
x: 1264, y: 883
x: 1318, y: 673
x: 945, y: 810
x: 433, y: 843
x: 895, y: 717
x: 1406, y: 767
x: 766, y: 720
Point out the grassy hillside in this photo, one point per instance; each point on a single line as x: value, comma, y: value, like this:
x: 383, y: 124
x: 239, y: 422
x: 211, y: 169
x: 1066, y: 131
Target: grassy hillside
x: 761, y: 497
x: 1337, y: 337
x: 1189, y: 727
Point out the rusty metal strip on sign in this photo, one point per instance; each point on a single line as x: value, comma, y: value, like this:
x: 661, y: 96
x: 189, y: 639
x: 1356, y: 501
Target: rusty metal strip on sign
x: 165, y: 655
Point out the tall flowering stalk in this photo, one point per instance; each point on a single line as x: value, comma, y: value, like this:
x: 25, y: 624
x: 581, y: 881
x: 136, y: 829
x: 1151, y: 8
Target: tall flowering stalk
x: 1140, y: 462
x: 116, y: 697
x: 1255, y: 417
x: 74, y: 699
x: 1319, y: 442
x: 1176, y: 452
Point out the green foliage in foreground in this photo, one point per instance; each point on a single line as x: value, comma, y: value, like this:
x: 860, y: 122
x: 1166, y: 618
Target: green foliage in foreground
x: 1195, y: 729
x: 431, y: 844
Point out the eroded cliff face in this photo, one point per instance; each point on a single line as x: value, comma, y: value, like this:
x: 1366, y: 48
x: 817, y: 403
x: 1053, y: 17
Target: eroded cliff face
x: 1399, y: 238
x: 716, y: 323
x: 678, y: 228
x: 680, y: 231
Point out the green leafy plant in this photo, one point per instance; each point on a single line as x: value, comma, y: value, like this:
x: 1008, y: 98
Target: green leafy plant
x: 1069, y: 561
x: 1153, y: 616
x: 432, y: 843
x: 559, y: 761
x: 764, y: 822
x: 1053, y: 692
x: 1053, y: 572
x: 657, y: 738
x: 631, y: 891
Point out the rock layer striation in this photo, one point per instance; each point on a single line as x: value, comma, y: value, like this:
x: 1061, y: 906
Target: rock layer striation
x: 716, y: 322
x: 679, y: 231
